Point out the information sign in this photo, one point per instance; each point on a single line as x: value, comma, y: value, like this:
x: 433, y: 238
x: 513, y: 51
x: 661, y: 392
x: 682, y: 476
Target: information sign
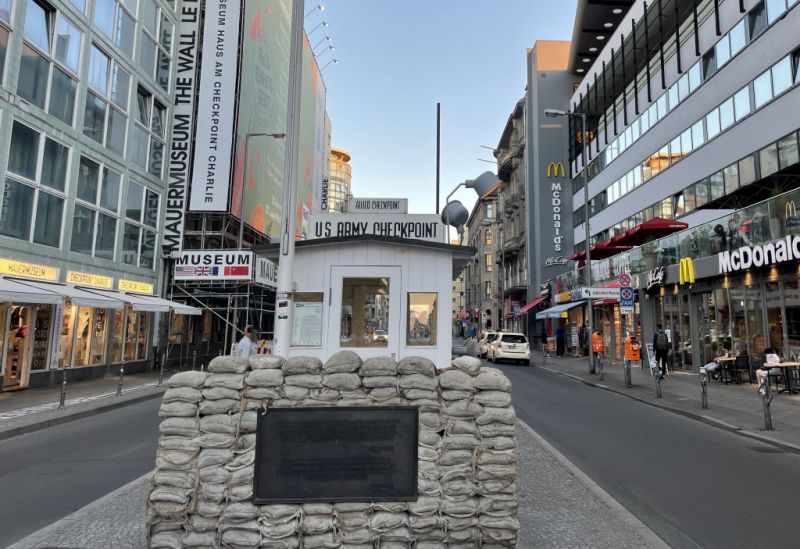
x: 626, y: 299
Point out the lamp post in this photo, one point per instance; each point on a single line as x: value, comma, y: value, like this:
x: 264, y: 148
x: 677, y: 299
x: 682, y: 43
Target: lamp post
x: 485, y: 184
x: 244, y: 177
x: 325, y: 50
x: 334, y: 61
x: 283, y: 301
x: 556, y: 113
x: 321, y: 24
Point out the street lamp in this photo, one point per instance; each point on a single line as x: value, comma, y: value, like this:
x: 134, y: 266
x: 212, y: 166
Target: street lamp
x: 326, y: 50
x: 324, y: 39
x: 485, y: 184
x: 322, y: 24
x: 334, y: 61
x: 319, y: 7
x: 244, y: 176
x: 557, y: 113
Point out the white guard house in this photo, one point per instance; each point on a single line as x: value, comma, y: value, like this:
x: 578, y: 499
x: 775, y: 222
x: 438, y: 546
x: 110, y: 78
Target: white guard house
x: 377, y: 285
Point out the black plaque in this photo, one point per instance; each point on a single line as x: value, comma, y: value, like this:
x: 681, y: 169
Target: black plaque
x: 336, y: 454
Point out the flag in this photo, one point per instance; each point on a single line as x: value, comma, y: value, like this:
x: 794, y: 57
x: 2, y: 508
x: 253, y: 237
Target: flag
x: 238, y: 270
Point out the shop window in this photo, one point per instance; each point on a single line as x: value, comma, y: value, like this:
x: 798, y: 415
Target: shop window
x: 421, y: 322
x: 33, y: 209
x: 791, y: 300
x: 118, y: 335
x: 40, y: 358
x: 768, y: 160
x: 18, y: 341
x: 365, y: 312
x: 48, y: 68
x: 787, y: 151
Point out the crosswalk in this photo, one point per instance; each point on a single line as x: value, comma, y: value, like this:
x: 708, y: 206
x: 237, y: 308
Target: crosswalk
x: 11, y: 414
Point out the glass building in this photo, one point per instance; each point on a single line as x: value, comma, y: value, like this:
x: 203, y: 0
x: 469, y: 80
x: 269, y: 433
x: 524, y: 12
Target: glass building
x: 85, y: 95
x: 340, y: 178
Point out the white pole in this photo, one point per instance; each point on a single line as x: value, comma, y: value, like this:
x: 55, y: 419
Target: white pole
x: 283, y: 301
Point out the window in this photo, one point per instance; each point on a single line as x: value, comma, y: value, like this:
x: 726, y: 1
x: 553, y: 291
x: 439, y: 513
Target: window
x: 48, y: 69
x: 421, y: 322
x: 747, y: 171
x: 5, y: 10
x: 105, y: 120
x: 487, y: 237
x: 698, y: 136
x: 147, y: 148
x: 487, y: 263
x: 94, y: 230
x: 722, y: 51
x: 787, y: 151
x: 738, y: 38
x: 33, y: 193
x: 726, y: 116
x: 701, y: 193
x: 3, y: 48
x: 487, y: 288
x: 757, y: 20
x: 731, y: 175
x: 781, y: 76
x: 155, y: 43
x: 775, y: 9
x: 712, y: 124
x: 116, y: 20
x: 717, y: 185
x: 741, y: 103
x: 762, y: 89
x: 365, y: 312
x: 490, y: 210
x: 768, y: 160
x: 141, y: 222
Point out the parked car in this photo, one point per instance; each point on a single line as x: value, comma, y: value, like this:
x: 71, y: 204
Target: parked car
x: 380, y: 336
x: 483, y: 344
x: 510, y: 346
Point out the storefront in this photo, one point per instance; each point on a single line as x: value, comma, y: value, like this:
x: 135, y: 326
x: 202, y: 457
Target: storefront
x: 46, y: 325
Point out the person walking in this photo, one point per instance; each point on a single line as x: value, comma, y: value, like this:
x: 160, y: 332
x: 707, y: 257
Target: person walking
x: 661, y: 347
x: 246, y: 346
x: 560, y: 341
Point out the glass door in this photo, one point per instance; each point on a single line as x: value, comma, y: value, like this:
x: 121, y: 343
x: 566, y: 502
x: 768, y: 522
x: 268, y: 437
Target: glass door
x: 17, y: 347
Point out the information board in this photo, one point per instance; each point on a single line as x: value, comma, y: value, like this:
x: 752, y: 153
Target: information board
x: 336, y: 454
x: 307, y: 324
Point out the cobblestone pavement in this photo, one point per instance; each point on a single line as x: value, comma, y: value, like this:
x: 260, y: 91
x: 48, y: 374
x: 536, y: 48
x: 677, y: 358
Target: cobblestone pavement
x: 559, y: 509
x: 113, y: 521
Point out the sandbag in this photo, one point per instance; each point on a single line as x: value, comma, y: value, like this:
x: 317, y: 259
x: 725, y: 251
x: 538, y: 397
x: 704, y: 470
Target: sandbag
x: 342, y: 381
x: 456, y: 395
x: 455, y: 457
x: 264, y: 378
x: 188, y: 379
x: 462, y: 409
x: 223, y: 406
x: 343, y: 362
x: 497, y: 415
x: 492, y: 379
x: 219, y: 423
x: 179, y: 426
x: 309, y: 381
x: 494, y: 399
x: 418, y: 394
x: 261, y: 393
x: 302, y: 365
x: 417, y: 365
x: 467, y: 364
x: 215, y: 440
x: 178, y: 479
x: 417, y: 381
x: 218, y: 393
x: 379, y: 381
x: 177, y: 409
x: 456, y: 380
x: 266, y: 362
x: 228, y: 365
x: 293, y: 392
x: 182, y: 394
x: 229, y: 381
x: 496, y: 430
x: 378, y: 366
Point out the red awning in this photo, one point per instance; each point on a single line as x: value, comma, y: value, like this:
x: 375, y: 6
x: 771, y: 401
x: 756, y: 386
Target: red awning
x: 607, y: 301
x: 530, y: 305
x: 601, y: 250
x: 655, y: 228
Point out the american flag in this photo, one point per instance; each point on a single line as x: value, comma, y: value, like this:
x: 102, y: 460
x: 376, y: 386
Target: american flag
x: 181, y: 270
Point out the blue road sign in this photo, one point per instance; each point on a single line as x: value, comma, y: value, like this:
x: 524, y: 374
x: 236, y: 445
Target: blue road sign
x: 626, y: 298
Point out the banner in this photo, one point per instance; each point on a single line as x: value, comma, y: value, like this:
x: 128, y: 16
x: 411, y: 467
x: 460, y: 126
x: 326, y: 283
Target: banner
x: 426, y: 227
x: 182, y: 122
x: 217, y: 97
x: 206, y: 265
x: 266, y: 272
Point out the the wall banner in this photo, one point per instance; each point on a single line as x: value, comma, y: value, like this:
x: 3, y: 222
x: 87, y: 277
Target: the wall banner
x: 426, y: 227
x: 217, y: 97
x: 207, y: 265
x: 182, y: 122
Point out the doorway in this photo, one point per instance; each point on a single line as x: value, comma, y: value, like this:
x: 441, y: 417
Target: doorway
x: 16, y: 334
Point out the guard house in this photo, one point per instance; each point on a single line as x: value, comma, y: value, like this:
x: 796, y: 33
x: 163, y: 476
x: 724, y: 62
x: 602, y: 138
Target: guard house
x: 377, y: 285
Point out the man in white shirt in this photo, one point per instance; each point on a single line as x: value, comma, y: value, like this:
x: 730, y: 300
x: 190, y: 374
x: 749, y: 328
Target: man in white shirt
x: 246, y: 347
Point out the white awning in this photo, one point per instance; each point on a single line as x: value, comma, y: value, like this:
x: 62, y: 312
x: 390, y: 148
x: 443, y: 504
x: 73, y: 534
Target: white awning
x: 555, y: 311
x: 148, y: 303
x: 16, y: 292
x: 177, y: 308
x: 78, y: 296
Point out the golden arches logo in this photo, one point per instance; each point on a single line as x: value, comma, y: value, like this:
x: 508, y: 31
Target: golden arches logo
x: 556, y: 169
x: 790, y: 209
x: 686, y: 271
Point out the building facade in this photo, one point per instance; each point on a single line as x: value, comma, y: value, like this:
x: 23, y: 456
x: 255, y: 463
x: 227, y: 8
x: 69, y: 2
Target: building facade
x: 482, y: 273
x: 339, y: 186
x: 85, y: 96
x: 689, y: 122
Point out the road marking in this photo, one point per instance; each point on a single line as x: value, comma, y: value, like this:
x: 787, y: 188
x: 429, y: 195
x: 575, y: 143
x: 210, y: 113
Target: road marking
x: 69, y: 402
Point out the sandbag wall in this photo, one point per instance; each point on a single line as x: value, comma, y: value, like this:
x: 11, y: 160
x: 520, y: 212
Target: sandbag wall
x: 201, y: 494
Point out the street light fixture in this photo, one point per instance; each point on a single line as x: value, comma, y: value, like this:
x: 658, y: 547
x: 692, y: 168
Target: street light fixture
x: 557, y: 113
x: 324, y: 39
x: 321, y: 24
x: 334, y: 61
x: 247, y: 137
x: 318, y: 7
x: 326, y: 50
x: 453, y: 212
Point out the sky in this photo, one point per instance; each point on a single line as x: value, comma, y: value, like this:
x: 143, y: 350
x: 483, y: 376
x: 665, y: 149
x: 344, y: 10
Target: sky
x: 399, y: 57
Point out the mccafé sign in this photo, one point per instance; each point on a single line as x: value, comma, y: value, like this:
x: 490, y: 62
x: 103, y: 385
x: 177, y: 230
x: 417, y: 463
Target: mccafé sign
x: 786, y: 249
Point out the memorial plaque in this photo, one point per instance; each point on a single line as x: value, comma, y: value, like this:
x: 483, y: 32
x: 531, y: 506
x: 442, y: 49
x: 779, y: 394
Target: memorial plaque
x: 336, y: 454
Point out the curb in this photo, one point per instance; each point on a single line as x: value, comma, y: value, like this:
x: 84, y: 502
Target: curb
x: 708, y: 420
x: 626, y: 516
x: 79, y: 411
x: 40, y: 536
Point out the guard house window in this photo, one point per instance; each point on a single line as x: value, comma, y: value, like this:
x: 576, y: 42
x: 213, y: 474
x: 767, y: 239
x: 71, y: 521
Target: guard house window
x: 49, y: 66
x: 94, y: 225
x: 421, y: 323
x: 33, y: 193
x: 487, y: 263
x: 365, y: 312
x: 147, y: 147
x: 141, y: 222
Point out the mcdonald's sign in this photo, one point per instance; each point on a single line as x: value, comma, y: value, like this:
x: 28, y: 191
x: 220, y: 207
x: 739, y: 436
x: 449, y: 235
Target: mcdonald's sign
x: 556, y: 169
x: 686, y: 271
x: 790, y: 209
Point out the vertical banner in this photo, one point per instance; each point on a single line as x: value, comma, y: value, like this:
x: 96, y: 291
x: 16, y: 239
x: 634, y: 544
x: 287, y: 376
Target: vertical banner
x: 182, y: 122
x: 215, y: 114
x: 55, y: 338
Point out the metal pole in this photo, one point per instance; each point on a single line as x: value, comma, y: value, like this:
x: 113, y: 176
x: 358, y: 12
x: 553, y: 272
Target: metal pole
x: 241, y: 195
x: 765, y: 392
x: 121, y: 375
x: 628, y: 383
x: 703, y: 389
x: 283, y: 301
x: 194, y: 359
x: 161, y: 373
x: 63, y: 398
x: 587, y: 231
x: 438, y: 151
x: 657, y: 376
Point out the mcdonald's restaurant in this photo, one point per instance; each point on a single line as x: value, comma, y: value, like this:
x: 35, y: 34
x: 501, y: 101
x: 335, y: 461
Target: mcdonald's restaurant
x: 744, y: 299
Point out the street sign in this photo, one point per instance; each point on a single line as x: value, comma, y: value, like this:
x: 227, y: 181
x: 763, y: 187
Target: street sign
x: 624, y: 280
x: 599, y: 293
x: 626, y: 298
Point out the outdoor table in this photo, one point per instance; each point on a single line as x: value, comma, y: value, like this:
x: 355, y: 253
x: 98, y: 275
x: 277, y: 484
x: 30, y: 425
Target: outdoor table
x: 722, y: 361
x: 786, y: 375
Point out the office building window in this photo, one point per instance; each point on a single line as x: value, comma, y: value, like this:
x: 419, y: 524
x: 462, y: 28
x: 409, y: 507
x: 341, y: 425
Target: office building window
x: 741, y: 103
x: 94, y: 229
x: 147, y: 149
x: 141, y: 222
x: 116, y: 19
x: 487, y: 263
x: 775, y: 9
x: 155, y: 43
x: 768, y: 160
x: 33, y: 192
x: 421, y: 321
x: 105, y: 119
x: 48, y: 68
x: 5, y: 10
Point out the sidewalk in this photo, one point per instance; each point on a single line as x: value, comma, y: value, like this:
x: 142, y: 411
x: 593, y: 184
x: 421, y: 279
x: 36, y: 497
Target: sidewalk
x: 734, y: 407
x: 29, y: 410
x: 559, y: 508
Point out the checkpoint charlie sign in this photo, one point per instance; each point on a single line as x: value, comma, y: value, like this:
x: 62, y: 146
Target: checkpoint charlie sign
x: 407, y: 226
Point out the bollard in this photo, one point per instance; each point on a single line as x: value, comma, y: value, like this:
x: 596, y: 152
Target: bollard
x: 121, y: 374
x: 63, y: 398
x: 202, y: 366
x: 161, y: 373
x: 194, y: 360
x: 765, y: 392
x: 600, y: 362
x: 703, y: 389
x: 657, y: 376
x: 628, y: 382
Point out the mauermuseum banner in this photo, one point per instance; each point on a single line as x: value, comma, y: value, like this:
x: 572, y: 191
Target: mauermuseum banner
x: 215, y: 110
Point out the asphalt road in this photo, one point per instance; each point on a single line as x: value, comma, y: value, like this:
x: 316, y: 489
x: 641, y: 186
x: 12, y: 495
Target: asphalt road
x: 48, y: 474
x: 693, y: 484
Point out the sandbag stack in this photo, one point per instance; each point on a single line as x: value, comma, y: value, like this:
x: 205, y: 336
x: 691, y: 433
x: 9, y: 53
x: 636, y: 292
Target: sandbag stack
x: 202, y: 491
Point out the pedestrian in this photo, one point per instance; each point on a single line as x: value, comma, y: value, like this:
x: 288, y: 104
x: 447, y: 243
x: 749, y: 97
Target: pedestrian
x: 246, y: 346
x: 560, y: 341
x: 661, y: 347
x: 583, y: 335
x: 543, y: 336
